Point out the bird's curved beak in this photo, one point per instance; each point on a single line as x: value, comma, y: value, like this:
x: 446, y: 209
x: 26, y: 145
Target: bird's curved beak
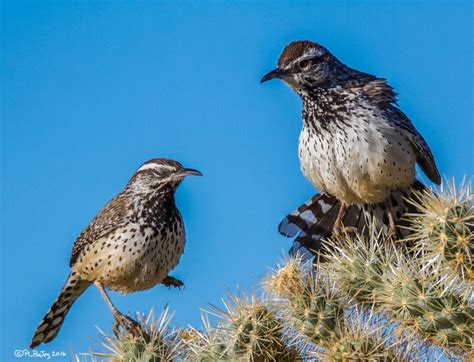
x: 187, y: 172
x: 275, y: 73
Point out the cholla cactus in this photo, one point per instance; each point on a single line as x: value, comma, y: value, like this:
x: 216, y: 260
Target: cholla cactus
x: 157, y: 342
x: 248, y: 330
x: 211, y: 344
x: 327, y: 324
x: 444, y: 229
x: 366, y: 336
x: 313, y: 307
x: 433, y: 305
x: 372, y: 299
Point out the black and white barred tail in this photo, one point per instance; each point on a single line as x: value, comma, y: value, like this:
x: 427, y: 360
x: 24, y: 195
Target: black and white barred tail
x: 313, y: 221
x: 52, y: 321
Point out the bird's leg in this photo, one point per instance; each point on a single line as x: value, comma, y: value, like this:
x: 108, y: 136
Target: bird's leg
x: 336, y: 229
x: 392, y: 227
x: 170, y: 281
x: 127, y: 323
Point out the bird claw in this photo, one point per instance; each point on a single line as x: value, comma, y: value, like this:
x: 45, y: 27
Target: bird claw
x: 170, y: 281
x: 337, y: 231
x: 128, y: 324
x: 392, y: 233
x: 349, y: 230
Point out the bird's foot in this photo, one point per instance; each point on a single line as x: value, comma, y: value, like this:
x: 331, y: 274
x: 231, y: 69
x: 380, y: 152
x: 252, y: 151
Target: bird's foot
x: 170, y: 281
x: 392, y: 233
x: 130, y: 326
x: 339, y: 230
x: 349, y: 230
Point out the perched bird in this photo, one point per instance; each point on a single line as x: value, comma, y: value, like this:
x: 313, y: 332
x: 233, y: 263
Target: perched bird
x: 131, y: 245
x: 356, y: 147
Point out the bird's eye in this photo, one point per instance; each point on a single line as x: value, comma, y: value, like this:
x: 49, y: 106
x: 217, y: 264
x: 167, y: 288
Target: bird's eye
x: 304, y: 63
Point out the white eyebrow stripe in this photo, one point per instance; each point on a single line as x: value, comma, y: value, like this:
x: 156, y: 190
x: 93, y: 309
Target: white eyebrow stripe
x: 148, y: 166
x: 154, y: 166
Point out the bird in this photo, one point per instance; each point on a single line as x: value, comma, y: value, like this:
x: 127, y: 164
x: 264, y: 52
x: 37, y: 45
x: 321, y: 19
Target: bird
x: 356, y: 147
x: 132, y: 244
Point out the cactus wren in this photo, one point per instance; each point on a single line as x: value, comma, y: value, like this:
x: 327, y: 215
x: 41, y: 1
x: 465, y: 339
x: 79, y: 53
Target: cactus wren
x: 131, y: 245
x: 356, y: 146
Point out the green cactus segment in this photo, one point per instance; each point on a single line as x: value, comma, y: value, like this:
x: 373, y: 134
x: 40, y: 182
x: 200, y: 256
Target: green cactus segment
x: 248, y: 330
x: 257, y: 332
x: 212, y: 352
x: 424, y: 304
x: 205, y: 346
x: 361, y: 272
x: 444, y: 229
x: 157, y: 343
x: 322, y: 318
x: 365, y: 346
x: 413, y: 295
x: 315, y: 309
x: 317, y: 317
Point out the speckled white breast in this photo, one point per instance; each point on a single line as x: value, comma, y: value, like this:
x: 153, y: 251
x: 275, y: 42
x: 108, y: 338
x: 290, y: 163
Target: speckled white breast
x: 131, y: 258
x: 359, y: 161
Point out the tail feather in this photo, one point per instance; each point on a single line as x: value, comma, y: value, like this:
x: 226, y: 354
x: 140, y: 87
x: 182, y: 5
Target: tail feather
x: 307, y: 215
x: 52, y: 321
x: 313, y: 221
x: 311, y: 238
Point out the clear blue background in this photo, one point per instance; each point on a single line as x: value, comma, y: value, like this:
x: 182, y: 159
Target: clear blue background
x: 91, y: 90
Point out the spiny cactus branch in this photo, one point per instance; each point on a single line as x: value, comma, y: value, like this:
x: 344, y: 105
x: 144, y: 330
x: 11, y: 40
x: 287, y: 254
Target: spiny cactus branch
x: 371, y: 299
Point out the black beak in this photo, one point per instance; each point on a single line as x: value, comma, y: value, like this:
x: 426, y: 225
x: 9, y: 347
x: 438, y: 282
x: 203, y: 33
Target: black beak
x: 187, y: 172
x: 275, y: 73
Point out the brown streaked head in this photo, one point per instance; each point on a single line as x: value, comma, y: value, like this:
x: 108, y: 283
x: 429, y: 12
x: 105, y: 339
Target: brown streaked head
x: 304, y: 65
x: 294, y: 50
x: 164, y: 170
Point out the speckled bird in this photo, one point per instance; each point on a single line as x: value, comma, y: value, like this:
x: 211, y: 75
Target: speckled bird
x: 131, y: 245
x: 356, y: 147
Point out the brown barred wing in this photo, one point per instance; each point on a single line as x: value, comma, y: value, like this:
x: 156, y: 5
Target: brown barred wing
x: 112, y: 216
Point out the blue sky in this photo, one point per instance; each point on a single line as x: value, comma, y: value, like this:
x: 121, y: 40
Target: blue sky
x: 91, y: 90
